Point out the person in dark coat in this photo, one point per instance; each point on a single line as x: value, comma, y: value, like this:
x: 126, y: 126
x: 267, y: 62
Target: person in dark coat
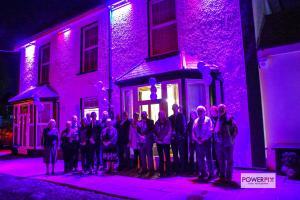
x: 191, y: 142
x: 66, y: 145
x: 75, y: 142
x: 50, y: 144
x: 83, y: 144
x: 225, y: 134
x: 214, y: 119
x: 123, y: 143
x: 145, y: 131
x: 95, y: 128
x: 90, y: 147
x: 178, y: 140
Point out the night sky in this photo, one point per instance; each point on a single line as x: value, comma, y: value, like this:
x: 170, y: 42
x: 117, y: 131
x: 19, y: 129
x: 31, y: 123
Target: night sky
x: 22, y: 18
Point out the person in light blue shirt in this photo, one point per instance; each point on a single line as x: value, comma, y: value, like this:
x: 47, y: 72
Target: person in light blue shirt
x: 202, y: 133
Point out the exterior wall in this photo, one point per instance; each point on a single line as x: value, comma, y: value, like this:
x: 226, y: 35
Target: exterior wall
x: 28, y: 67
x: 65, y: 77
x: 129, y: 40
x: 211, y: 31
x: 65, y: 65
x: 280, y: 86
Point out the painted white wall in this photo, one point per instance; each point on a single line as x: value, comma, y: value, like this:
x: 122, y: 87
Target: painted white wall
x: 280, y: 89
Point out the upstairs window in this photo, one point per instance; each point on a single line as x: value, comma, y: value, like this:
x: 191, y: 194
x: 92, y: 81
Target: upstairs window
x: 44, y: 64
x: 163, y: 27
x: 89, y: 44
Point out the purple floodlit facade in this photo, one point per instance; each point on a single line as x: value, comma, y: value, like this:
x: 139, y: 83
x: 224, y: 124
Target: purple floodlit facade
x: 208, y: 31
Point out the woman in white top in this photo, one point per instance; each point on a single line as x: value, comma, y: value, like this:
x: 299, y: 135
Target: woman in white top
x: 133, y: 140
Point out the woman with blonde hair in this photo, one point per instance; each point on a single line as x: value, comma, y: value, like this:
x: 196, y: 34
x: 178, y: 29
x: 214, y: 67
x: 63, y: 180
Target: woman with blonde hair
x: 50, y: 144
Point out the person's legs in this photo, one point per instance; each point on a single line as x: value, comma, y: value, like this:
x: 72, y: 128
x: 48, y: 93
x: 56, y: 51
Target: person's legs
x: 207, y: 146
x: 161, y: 158
x: 228, y: 154
x: 136, y: 158
x: 182, y: 154
x: 47, y: 168
x: 174, y: 146
x: 97, y: 150
x: 168, y: 161
x: 121, y: 156
x: 143, y: 157
x: 214, y: 158
x: 149, y: 152
x: 83, y: 155
x: 76, y: 156
x: 200, y: 151
x: 127, y: 156
x: 220, y: 156
x: 191, y: 157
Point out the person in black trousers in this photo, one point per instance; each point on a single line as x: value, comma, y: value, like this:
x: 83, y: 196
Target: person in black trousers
x: 191, y: 142
x: 163, y: 139
x: 95, y: 128
x: 123, y: 143
x: 75, y: 142
x: 145, y: 131
x: 90, y: 148
x: 67, y: 147
x: 83, y: 144
x: 178, y: 140
x: 214, y: 119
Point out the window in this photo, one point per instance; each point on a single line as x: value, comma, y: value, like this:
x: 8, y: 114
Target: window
x: 89, y: 45
x: 44, y: 64
x: 145, y: 92
x: 90, y: 104
x: 163, y: 27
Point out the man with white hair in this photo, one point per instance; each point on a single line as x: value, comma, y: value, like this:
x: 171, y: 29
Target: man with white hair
x: 225, y: 133
x: 202, y: 133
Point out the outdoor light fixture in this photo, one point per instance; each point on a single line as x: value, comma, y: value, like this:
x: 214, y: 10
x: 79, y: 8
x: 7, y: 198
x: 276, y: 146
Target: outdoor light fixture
x: 119, y: 4
x: 29, y: 49
x: 66, y: 30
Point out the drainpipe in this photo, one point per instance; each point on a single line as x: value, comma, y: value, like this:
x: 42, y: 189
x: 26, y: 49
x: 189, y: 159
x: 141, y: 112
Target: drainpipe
x: 110, y: 81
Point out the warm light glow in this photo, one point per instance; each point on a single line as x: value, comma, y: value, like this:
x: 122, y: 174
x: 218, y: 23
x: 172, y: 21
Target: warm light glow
x: 66, y: 33
x: 120, y: 13
x: 29, y: 50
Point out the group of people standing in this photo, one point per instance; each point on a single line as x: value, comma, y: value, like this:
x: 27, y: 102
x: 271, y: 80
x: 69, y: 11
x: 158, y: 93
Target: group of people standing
x: 129, y: 142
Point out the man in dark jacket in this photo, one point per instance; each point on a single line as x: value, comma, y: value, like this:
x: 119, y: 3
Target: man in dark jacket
x: 225, y: 134
x: 95, y: 128
x: 179, y: 139
x: 123, y: 142
x: 145, y: 129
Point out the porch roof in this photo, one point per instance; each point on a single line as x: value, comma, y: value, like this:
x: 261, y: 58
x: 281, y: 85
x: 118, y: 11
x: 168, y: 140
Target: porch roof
x: 43, y: 91
x: 176, y: 64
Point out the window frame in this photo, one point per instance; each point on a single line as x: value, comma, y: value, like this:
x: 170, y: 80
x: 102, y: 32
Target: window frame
x: 41, y: 64
x: 152, y: 27
x: 83, y: 49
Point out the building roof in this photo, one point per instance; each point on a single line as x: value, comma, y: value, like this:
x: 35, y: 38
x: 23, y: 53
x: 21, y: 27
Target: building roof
x: 43, y: 91
x: 280, y: 29
x: 179, y: 62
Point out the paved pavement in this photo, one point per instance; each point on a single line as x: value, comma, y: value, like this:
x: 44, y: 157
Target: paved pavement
x: 139, y: 188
